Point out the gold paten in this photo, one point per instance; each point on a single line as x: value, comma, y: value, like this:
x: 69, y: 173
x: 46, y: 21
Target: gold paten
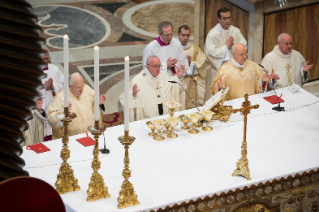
x: 65, y: 180
x: 127, y: 196
x: 242, y: 168
x: 97, y: 188
x: 221, y: 112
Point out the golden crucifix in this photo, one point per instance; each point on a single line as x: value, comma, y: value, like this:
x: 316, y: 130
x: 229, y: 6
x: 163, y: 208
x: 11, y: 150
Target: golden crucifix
x: 287, y: 67
x: 242, y: 168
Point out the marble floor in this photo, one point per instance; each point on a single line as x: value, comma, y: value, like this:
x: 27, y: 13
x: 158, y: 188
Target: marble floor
x: 119, y: 27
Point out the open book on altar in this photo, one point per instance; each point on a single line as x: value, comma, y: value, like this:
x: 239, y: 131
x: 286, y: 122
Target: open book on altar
x: 209, y: 104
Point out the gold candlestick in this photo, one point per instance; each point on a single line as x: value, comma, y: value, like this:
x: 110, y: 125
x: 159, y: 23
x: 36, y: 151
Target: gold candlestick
x: 97, y: 188
x: 127, y: 196
x: 242, y: 168
x: 65, y: 180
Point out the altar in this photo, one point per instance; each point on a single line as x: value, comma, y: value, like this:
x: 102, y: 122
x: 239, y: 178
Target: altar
x: 193, y: 172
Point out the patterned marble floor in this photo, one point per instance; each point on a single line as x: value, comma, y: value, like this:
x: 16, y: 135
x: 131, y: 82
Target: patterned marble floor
x: 119, y: 27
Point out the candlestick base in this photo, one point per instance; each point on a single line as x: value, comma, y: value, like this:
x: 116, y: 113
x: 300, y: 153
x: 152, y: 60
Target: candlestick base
x: 127, y: 196
x: 242, y: 168
x: 65, y: 180
x: 97, y: 188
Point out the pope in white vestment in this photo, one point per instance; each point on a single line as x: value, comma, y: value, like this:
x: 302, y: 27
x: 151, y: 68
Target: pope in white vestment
x: 81, y: 102
x: 150, y: 89
x: 288, y: 64
x: 218, y: 44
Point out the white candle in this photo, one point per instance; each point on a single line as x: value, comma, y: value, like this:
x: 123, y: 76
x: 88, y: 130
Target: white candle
x: 126, y: 89
x: 96, y: 84
x: 66, y: 69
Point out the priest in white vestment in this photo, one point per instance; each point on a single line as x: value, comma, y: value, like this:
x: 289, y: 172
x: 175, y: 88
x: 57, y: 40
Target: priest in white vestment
x: 81, y: 102
x: 287, y: 63
x: 150, y: 89
x: 194, y: 76
x: 168, y: 49
x: 218, y: 45
x: 242, y: 76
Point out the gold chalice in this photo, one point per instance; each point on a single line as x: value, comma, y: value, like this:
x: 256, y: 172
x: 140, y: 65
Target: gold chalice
x: 172, y: 105
x: 167, y: 126
x: 185, y: 120
x: 152, y: 128
x: 159, y: 124
x: 208, y: 116
x: 173, y: 123
x: 194, y: 119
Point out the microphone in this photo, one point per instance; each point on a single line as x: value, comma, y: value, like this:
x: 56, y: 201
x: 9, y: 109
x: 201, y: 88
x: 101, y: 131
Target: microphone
x: 277, y: 108
x: 104, y: 150
x: 202, y: 121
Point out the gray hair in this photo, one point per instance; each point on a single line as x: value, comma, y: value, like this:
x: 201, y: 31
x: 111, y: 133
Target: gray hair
x: 71, y: 78
x: 233, y: 48
x: 163, y: 24
x: 148, y: 60
x: 279, y: 36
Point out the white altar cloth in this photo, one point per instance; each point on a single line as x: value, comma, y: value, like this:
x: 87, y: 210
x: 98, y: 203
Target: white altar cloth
x: 280, y: 144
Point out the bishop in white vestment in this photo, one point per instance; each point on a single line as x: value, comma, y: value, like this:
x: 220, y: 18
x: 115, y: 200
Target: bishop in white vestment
x: 287, y: 63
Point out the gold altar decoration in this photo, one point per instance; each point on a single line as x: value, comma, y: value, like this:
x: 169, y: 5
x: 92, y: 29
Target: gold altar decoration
x: 172, y: 105
x: 185, y: 119
x: 242, y: 168
x: 222, y: 112
x: 207, y: 116
x: 158, y: 126
x: 65, y: 180
x: 297, y: 192
x: 194, y: 119
x: 127, y: 196
x: 173, y: 121
x: 167, y: 125
x: 97, y: 188
x: 151, y: 126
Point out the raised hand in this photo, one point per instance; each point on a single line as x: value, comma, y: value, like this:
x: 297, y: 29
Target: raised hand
x: 102, y: 99
x: 307, y: 67
x: 230, y: 42
x: 135, y: 90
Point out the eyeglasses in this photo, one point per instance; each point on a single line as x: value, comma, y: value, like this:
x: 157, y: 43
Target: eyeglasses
x: 78, y: 88
x: 156, y: 66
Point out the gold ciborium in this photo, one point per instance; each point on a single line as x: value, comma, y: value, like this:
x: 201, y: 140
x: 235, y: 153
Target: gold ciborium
x: 167, y: 125
x: 194, y: 119
x: 159, y: 124
x: 185, y: 119
x: 208, y: 116
x: 151, y: 126
x: 172, y: 105
x: 173, y: 123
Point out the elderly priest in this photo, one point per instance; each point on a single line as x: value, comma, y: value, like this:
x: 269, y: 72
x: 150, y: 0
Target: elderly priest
x: 241, y: 75
x: 150, y: 89
x: 81, y: 102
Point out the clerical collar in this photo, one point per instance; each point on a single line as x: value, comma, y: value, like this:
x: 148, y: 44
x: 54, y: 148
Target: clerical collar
x: 237, y: 64
x: 186, y: 46
x: 161, y: 42
x: 147, y: 73
x: 282, y: 54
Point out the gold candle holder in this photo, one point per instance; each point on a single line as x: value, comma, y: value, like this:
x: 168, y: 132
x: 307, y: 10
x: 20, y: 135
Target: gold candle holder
x: 65, y: 180
x: 97, y: 188
x: 127, y: 196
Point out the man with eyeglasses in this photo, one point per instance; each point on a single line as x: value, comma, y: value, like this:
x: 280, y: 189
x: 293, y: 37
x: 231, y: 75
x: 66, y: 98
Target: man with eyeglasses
x: 150, y: 89
x: 240, y: 75
x: 81, y: 102
x: 194, y: 78
x: 168, y: 49
x: 218, y: 44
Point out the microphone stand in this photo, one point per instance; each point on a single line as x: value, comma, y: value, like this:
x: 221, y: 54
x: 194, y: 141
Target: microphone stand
x: 276, y: 108
x: 104, y: 150
x: 202, y: 121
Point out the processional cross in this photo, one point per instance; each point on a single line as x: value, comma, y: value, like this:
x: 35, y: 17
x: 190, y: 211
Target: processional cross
x: 242, y: 168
